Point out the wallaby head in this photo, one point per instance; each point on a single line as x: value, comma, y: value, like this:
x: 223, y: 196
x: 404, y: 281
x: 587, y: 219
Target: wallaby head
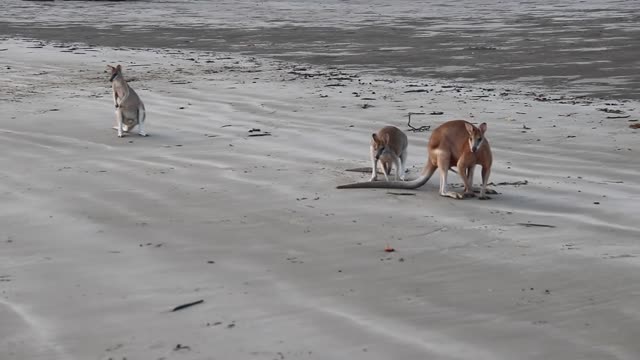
x: 115, y: 71
x: 378, y: 144
x: 476, y: 135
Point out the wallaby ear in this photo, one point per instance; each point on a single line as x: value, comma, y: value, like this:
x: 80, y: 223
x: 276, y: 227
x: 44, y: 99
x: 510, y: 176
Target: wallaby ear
x: 483, y: 127
x: 119, y: 68
x: 375, y: 137
x: 469, y: 128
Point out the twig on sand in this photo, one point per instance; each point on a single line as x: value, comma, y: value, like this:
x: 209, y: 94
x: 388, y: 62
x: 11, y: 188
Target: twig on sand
x: 611, y: 111
x: 516, y: 183
x: 536, y: 225
x: 184, y: 306
x: 415, y: 129
x: 263, y: 134
x: 401, y: 193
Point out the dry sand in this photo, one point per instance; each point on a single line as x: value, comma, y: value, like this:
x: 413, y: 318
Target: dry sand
x: 101, y: 237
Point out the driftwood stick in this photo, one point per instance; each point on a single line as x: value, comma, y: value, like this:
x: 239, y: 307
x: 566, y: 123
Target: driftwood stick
x: 184, y: 306
x: 516, y: 183
x: 536, y: 225
x: 415, y: 129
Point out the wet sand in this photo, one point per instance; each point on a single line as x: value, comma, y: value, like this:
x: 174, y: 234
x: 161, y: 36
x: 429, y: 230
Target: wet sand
x: 581, y: 48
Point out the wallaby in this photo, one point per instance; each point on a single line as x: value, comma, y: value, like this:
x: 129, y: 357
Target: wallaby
x: 455, y: 143
x: 129, y: 108
x: 389, y: 146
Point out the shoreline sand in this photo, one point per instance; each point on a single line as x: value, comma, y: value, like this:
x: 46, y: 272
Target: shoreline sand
x: 575, y: 47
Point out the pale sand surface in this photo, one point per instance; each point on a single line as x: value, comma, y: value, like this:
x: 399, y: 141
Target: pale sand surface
x: 101, y: 237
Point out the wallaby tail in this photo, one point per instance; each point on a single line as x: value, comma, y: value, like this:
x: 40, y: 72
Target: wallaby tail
x: 414, y: 184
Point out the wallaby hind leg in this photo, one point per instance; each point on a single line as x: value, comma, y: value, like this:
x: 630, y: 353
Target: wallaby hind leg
x: 403, y: 161
x: 396, y: 164
x: 374, y: 165
x: 443, y: 167
x: 397, y: 173
x: 443, y: 186
x: 116, y: 118
x: 141, y: 117
x: 119, y: 119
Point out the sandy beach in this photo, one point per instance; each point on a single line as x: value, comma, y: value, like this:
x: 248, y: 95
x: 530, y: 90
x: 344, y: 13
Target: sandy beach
x: 101, y: 237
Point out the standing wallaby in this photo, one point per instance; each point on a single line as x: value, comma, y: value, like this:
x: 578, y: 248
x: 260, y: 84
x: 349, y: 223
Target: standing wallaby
x: 389, y: 146
x: 129, y: 108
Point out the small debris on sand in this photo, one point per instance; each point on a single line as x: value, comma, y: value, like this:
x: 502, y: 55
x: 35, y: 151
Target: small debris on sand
x: 184, y: 306
x: 536, y: 225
